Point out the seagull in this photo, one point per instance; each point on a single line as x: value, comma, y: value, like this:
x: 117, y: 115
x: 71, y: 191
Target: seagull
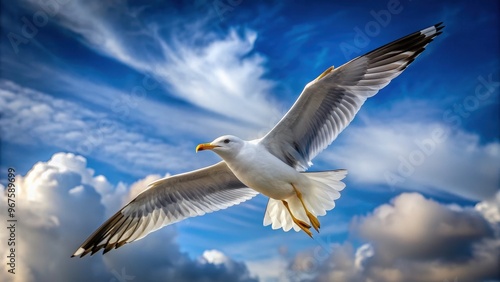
x: 274, y: 165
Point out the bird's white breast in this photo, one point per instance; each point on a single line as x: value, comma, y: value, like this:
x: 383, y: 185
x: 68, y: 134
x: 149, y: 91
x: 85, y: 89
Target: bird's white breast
x: 262, y: 171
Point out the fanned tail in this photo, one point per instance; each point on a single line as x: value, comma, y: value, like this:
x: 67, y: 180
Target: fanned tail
x: 319, y: 198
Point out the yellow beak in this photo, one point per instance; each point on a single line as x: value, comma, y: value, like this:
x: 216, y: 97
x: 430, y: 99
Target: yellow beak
x: 205, y: 146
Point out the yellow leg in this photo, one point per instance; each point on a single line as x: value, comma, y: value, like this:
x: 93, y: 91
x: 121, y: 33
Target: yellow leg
x: 314, y: 220
x: 303, y: 225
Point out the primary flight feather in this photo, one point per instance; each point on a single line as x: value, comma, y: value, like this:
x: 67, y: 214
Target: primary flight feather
x: 273, y: 165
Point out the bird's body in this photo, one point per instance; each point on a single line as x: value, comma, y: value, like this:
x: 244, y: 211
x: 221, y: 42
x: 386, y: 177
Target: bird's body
x: 289, y: 190
x: 273, y: 165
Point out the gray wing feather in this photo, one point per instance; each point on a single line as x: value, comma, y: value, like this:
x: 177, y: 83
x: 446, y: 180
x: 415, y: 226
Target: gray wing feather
x: 167, y: 201
x: 328, y: 104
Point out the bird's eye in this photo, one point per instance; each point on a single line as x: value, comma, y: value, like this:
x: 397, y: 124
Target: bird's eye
x: 226, y: 141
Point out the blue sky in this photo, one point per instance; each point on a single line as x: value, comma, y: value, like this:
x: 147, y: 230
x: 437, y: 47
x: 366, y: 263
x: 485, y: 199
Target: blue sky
x: 98, y: 99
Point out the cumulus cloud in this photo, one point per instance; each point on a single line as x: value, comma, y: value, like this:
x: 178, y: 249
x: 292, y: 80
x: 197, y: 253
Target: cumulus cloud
x: 270, y: 269
x: 220, y: 260
x: 49, y: 201
x: 214, y: 257
x: 490, y: 208
x: 414, y: 227
x: 344, y: 261
x: 59, y: 202
x: 415, y: 235
x: 430, y: 158
x: 340, y: 262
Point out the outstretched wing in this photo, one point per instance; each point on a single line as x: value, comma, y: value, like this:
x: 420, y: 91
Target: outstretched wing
x: 167, y: 201
x: 329, y: 103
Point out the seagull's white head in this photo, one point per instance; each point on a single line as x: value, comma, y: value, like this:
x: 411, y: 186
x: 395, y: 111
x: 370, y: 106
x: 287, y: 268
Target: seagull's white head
x: 226, y: 146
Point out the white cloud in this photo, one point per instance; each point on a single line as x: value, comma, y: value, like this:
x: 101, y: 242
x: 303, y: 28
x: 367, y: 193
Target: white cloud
x: 490, y: 208
x: 362, y: 253
x: 414, y: 235
x: 50, y: 221
x: 218, y: 74
x: 223, y: 77
x: 59, y: 203
x: 422, y: 157
x: 214, y: 257
x: 303, y: 265
x: 417, y: 228
x: 344, y: 262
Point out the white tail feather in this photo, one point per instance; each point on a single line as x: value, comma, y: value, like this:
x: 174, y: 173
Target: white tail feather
x: 319, y: 198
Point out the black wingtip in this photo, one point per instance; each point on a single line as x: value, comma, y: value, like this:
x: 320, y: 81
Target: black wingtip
x: 439, y: 27
x: 120, y: 244
x: 108, y: 248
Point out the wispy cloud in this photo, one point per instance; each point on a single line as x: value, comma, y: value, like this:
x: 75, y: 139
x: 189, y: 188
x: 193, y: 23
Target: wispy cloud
x: 223, y: 75
x: 221, y: 81
x: 42, y: 119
